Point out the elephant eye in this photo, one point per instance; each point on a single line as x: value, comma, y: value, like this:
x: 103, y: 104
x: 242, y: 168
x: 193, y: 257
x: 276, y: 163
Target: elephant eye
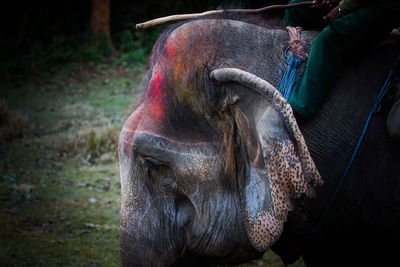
x: 151, y: 165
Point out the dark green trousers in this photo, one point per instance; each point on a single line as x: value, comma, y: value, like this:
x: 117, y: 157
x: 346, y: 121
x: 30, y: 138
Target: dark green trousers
x: 342, y: 38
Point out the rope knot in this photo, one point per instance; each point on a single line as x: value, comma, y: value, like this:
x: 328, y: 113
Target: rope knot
x: 296, y: 45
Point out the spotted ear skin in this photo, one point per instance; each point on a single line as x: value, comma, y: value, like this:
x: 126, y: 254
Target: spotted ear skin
x: 280, y: 167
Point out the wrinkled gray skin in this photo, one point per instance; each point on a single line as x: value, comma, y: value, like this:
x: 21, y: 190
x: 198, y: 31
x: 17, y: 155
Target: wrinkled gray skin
x: 181, y: 207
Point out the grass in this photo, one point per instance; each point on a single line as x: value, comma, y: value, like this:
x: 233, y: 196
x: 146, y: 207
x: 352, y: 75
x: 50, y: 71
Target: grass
x: 59, y: 177
x: 59, y: 185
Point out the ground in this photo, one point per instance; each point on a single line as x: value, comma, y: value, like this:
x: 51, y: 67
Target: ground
x: 59, y: 176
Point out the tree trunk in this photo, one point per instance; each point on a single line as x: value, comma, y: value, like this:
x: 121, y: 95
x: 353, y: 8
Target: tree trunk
x: 100, y: 21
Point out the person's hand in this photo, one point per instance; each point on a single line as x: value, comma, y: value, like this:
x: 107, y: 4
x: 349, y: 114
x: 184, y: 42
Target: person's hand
x: 324, y: 4
x: 332, y: 15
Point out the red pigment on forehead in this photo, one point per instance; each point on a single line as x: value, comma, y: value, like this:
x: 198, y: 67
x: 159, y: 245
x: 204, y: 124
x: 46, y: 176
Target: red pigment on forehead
x: 154, y: 107
x: 171, y: 45
x: 170, y: 49
x: 156, y: 83
x: 155, y: 96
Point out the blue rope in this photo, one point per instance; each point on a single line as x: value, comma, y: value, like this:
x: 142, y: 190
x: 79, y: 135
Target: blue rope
x: 392, y: 78
x: 289, y: 76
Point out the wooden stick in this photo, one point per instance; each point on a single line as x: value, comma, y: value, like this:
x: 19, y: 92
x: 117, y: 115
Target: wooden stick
x: 163, y: 20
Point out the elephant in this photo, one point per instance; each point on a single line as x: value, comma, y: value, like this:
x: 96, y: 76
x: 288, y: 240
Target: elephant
x: 215, y: 170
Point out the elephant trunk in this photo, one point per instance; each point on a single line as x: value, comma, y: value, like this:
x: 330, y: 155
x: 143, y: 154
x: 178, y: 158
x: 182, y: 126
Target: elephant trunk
x: 151, y: 225
x: 150, y: 237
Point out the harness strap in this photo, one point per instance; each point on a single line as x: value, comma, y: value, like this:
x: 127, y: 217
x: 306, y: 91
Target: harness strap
x: 289, y: 76
x: 296, y: 46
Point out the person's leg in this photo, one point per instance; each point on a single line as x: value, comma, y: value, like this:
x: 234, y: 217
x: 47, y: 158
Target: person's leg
x: 323, y: 66
x: 329, y: 50
x: 306, y: 17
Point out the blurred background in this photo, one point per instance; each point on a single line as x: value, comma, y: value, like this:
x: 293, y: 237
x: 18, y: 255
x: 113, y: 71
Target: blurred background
x: 37, y: 35
x: 69, y: 71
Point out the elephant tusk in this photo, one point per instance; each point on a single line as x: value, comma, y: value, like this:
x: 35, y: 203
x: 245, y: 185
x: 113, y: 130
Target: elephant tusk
x: 163, y: 20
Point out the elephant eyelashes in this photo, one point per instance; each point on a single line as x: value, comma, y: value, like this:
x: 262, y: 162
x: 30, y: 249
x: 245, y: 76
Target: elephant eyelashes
x: 151, y: 165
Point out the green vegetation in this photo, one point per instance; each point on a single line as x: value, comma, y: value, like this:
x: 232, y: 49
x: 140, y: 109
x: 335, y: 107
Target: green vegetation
x: 59, y: 177
x: 43, y: 36
x: 133, y: 49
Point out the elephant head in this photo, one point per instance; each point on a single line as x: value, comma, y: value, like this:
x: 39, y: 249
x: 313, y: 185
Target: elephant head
x: 210, y: 162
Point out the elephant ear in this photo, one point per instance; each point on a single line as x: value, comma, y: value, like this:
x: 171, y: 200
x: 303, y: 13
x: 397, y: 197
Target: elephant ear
x: 280, y: 166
